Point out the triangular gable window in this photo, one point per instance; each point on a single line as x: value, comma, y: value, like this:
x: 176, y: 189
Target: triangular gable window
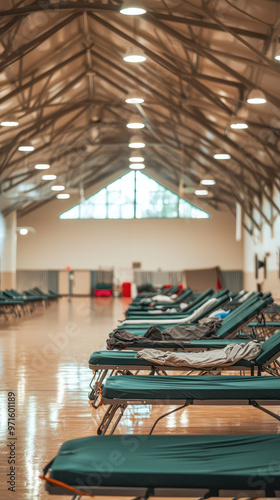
x: 134, y: 195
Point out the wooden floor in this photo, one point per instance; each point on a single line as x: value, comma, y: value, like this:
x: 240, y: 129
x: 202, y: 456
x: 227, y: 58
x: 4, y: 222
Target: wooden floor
x: 44, y: 361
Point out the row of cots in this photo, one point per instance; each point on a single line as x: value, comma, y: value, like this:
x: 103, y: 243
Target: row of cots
x: 200, y: 336
x: 16, y: 304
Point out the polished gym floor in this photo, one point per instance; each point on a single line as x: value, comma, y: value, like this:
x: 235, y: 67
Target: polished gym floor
x: 44, y: 362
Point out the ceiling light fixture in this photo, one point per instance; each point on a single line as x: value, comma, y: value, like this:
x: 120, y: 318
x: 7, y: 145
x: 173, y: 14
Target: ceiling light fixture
x: 48, y: 177
x: 23, y: 230
x: 256, y: 96
x: 136, y: 142
x: 63, y: 196
x: 132, y: 8
x: 208, y: 182
x: 222, y: 156
x: 134, y: 98
x: 9, y: 123
x: 137, y: 166
x: 136, y: 157
x: 238, y: 125
x: 26, y: 148
x: 42, y: 166
x: 57, y: 188
x: 135, y: 122
x: 134, y: 55
x: 201, y: 192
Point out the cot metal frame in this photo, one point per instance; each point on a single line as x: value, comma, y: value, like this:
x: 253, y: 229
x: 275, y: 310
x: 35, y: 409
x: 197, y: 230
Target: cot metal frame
x: 119, y: 405
x: 102, y: 372
x: 274, y: 314
x: 145, y: 493
x: 100, y: 375
x: 262, y: 330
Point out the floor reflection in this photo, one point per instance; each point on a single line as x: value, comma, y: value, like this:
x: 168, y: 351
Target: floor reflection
x: 44, y: 360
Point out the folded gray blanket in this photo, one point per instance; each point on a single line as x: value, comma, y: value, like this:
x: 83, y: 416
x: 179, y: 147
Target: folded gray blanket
x: 227, y: 356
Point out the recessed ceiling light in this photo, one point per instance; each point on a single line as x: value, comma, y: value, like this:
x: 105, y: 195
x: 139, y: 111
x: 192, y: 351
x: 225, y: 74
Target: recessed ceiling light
x: 136, y: 159
x: 23, y: 231
x: 208, y: 182
x: 26, y: 148
x: 48, y: 177
x: 57, y: 188
x: 137, y: 166
x: 134, y: 55
x: 63, y: 196
x: 8, y: 123
x: 222, y: 156
x: 136, y: 142
x: 135, y: 122
x: 132, y: 8
x: 238, y: 125
x: 42, y: 166
x: 256, y: 96
x: 201, y: 192
x: 277, y: 57
x: 134, y: 98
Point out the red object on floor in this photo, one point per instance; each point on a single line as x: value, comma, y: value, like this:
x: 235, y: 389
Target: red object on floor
x: 102, y: 293
x: 126, y: 289
x: 219, y: 286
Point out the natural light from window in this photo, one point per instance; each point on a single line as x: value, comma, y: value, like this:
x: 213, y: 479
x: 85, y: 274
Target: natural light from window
x: 134, y: 195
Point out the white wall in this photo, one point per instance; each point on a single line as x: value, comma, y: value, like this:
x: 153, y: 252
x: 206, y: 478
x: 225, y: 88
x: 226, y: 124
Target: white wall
x: 169, y: 244
x: 265, y: 241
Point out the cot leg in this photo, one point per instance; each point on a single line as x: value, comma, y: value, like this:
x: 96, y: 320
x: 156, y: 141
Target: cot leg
x: 254, y: 333
x: 5, y: 315
x: 273, y: 369
x: 276, y: 366
x: 122, y: 408
x: 107, y: 419
x: 276, y: 313
x: 142, y: 498
x: 94, y: 394
x: 101, y: 426
x: 265, y: 410
x: 187, y: 403
x: 15, y: 313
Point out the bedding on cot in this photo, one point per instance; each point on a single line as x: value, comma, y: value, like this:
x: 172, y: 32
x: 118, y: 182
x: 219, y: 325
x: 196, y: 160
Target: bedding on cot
x: 229, y: 327
x: 107, y: 363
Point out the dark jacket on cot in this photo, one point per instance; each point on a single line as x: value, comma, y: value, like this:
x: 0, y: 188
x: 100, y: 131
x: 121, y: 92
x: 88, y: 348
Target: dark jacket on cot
x: 206, y: 329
